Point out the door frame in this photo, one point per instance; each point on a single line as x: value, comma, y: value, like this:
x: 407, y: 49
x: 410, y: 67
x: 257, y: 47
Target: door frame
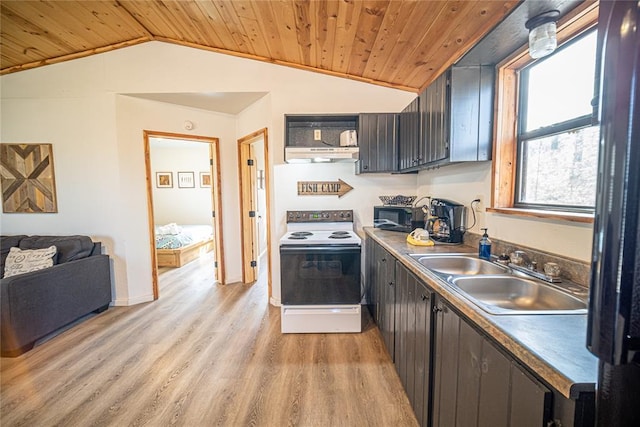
x: 216, y: 199
x: 243, y: 148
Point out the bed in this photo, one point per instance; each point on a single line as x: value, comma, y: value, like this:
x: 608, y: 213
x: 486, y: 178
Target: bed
x: 177, y: 245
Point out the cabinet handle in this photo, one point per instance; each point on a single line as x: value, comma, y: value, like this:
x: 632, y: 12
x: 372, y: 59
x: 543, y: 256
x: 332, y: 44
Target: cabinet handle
x: 474, y: 361
x: 365, y: 167
x: 424, y: 297
x: 384, y: 260
x: 436, y: 309
x: 485, y: 365
x: 390, y: 283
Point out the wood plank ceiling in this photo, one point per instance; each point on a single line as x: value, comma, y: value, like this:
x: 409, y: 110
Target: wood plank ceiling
x: 399, y: 43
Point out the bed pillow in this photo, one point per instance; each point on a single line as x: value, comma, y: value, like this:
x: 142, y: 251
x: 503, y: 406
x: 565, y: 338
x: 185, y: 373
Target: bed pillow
x: 169, y: 229
x: 24, y: 261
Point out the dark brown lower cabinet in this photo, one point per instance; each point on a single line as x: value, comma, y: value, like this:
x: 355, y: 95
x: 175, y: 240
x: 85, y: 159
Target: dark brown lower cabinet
x: 475, y: 384
x: 414, y: 302
x: 381, y: 291
x: 454, y: 374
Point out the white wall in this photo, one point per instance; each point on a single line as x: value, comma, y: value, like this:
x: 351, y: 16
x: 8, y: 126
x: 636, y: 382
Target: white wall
x: 98, y: 148
x: 134, y: 115
x: 366, y: 189
x: 175, y: 204
x: 466, y: 182
x: 99, y: 160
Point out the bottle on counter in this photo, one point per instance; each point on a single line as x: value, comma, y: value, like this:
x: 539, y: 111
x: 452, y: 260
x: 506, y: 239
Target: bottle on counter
x: 484, y: 249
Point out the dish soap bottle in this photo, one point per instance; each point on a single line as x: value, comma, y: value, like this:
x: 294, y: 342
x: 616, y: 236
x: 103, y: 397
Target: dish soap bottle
x: 484, y: 250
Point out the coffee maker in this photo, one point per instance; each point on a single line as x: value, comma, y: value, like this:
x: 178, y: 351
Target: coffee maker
x: 445, y: 223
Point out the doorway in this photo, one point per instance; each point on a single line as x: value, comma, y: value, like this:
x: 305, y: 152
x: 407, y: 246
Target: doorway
x: 201, y: 179
x: 253, y: 168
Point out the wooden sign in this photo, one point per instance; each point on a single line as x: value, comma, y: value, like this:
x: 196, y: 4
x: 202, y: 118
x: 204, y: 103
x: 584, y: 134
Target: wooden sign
x: 323, y: 188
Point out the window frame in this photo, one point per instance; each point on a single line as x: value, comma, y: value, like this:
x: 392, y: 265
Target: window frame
x: 505, y: 148
x: 574, y: 124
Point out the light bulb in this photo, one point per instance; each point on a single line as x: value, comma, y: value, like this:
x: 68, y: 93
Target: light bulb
x: 542, y: 40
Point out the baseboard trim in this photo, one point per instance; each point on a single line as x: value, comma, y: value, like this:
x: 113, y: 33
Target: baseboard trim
x: 275, y: 302
x: 133, y: 301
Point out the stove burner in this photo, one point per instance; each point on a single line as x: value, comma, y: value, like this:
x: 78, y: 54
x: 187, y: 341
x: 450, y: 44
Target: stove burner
x: 301, y: 233
x: 339, y: 236
x: 340, y: 233
x: 297, y: 237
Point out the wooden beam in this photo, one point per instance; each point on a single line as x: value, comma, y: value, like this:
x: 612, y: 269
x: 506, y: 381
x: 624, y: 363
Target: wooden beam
x: 74, y: 55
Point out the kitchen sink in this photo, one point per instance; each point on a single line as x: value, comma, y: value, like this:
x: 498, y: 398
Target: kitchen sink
x: 459, y: 264
x: 506, y: 294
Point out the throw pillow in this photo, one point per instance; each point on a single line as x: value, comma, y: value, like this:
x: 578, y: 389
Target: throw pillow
x: 24, y: 261
x: 6, y: 243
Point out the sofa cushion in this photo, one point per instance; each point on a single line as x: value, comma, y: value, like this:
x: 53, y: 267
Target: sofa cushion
x: 69, y: 248
x: 6, y: 243
x: 24, y: 261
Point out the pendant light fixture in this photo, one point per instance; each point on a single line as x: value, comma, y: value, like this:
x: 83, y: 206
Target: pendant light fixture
x: 542, y: 33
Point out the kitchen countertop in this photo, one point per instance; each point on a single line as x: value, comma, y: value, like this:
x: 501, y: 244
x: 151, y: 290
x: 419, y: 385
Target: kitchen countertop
x: 551, y: 346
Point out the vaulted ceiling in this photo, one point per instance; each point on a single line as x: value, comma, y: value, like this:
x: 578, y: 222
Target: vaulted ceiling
x: 399, y: 43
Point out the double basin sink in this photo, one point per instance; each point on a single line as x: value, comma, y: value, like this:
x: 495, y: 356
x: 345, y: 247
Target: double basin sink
x: 498, y: 289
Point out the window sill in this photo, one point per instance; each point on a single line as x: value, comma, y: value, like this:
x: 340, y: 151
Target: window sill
x: 535, y: 213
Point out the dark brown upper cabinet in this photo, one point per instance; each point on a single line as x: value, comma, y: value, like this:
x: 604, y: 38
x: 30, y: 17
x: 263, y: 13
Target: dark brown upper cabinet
x: 454, y: 120
x: 378, y: 141
x: 409, y: 137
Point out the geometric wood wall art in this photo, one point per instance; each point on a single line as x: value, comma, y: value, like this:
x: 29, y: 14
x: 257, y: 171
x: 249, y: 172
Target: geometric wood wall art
x: 27, y: 178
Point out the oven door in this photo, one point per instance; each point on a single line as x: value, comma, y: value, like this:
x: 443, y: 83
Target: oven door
x: 320, y: 275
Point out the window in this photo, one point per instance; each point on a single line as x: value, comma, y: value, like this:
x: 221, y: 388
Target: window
x: 557, y: 144
x: 545, y: 146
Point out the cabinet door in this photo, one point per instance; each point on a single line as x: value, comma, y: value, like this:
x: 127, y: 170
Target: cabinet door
x: 371, y: 290
x: 405, y: 328
x: 476, y: 384
x: 434, y: 113
x: 445, y: 385
x: 378, y: 143
x: 493, y: 407
x: 409, y: 136
x: 379, y: 276
x: 530, y: 400
x: 468, y: 390
x: 471, y: 113
x: 385, y: 293
x: 482, y: 397
x: 413, y: 339
x: 422, y: 386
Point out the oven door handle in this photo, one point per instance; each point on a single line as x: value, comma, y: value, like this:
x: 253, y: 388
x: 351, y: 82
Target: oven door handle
x: 323, y: 249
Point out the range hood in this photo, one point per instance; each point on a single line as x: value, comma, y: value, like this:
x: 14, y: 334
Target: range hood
x: 321, y: 154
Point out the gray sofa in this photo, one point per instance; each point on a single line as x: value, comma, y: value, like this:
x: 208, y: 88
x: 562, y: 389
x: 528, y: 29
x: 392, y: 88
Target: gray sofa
x: 34, y: 304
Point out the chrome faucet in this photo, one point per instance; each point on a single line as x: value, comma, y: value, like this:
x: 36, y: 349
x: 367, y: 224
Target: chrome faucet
x: 526, y: 261
x: 520, y: 261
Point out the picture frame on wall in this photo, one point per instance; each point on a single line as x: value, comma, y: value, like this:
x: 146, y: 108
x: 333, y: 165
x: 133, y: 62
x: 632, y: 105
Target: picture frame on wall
x: 186, y: 180
x: 205, y: 179
x: 28, y: 180
x: 164, y: 180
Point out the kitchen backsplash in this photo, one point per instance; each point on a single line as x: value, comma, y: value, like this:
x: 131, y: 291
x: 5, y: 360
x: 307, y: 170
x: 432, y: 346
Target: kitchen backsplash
x: 570, y: 269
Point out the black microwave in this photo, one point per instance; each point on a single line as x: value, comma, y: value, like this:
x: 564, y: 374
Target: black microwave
x: 398, y: 218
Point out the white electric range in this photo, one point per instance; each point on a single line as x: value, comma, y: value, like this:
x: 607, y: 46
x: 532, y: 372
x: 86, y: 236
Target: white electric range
x: 320, y: 273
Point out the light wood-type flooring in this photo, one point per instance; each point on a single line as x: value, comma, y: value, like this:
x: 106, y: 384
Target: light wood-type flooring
x: 202, y: 355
